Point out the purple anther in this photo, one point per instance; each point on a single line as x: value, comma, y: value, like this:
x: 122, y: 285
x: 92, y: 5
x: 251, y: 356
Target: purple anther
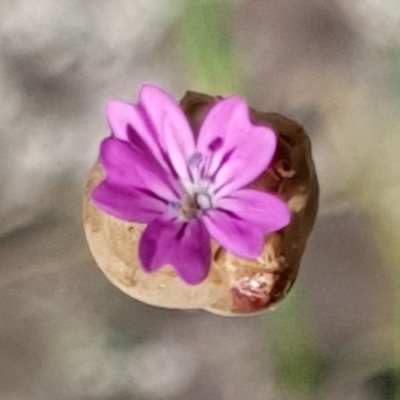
x: 195, y: 159
x: 216, y: 144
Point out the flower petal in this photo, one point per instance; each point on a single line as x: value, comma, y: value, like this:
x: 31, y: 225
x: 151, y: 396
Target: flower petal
x: 126, y: 165
x: 127, y: 204
x: 129, y: 123
x: 240, y: 237
x: 264, y: 210
x: 120, y: 115
x: 171, y: 125
x: 184, y: 246
x: 244, y: 151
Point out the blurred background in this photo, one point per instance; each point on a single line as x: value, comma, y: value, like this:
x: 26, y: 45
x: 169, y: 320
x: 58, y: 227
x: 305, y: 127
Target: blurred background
x: 333, y: 65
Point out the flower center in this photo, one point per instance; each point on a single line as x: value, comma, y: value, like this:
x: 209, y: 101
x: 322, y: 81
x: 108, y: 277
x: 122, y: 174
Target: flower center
x: 192, y: 206
x: 197, y: 196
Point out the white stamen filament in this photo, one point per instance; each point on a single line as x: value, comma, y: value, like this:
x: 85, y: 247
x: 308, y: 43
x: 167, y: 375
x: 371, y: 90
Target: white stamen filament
x: 203, y: 200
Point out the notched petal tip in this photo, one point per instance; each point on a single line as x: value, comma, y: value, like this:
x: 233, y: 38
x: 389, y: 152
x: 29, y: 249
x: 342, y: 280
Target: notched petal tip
x: 113, y: 108
x: 223, y: 116
x: 171, y: 125
x: 150, y: 92
x: 121, y: 114
x: 183, y: 246
x: 148, y: 86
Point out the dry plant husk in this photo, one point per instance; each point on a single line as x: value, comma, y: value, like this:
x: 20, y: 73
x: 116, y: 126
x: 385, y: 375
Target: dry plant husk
x: 234, y: 286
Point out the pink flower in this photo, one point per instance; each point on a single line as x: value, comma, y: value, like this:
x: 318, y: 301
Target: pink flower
x: 188, y: 190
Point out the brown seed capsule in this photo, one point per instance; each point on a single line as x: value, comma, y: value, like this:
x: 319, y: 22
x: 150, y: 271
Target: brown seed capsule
x: 234, y: 286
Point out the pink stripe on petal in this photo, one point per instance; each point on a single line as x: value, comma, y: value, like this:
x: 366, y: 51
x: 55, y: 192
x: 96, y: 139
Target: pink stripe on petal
x: 128, y: 166
x: 127, y: 205
x: 245, y: 150
x: 240, y: 237
x: 251, y: 157
x: 120, y: 114
x: 129, y: 124
x: 263, y: 210
x: 226, y: 118
x: 171, y: 126
x: 183, y: 246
